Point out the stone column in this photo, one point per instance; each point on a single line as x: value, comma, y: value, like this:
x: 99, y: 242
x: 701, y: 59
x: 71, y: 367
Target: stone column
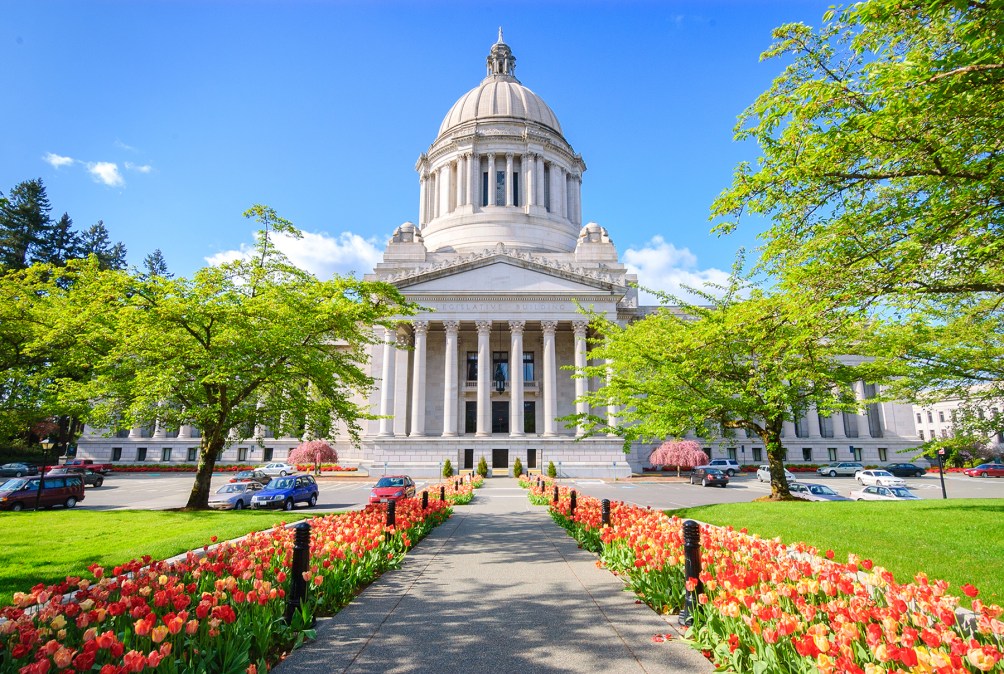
x: 484, y: 378
x: 450, y: 381
x: 611, y: 409
x: 423, y: 217
x: 838, y: 425
x: 491, y: 178
x: 539, y: 178
x: 508, y: 179
x: 444, y: 189
x: 864, y: 430
x: 387, y: 383
x: 577, y: 199
x: 158, y: 430
x: 550, y: 378
x: 788, y: 428
x: 418, y: 380
x: 516, y: 429
x: 460, y: 180
x: 581, y: 407
x: 401, y: 386
x: 185, y: 432
x: 474, y: 180
x: 529, y: 164
x: 433, y: 198
x: 812, y: 416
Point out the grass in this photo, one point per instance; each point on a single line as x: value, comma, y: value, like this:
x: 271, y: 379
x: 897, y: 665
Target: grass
x: 47, y: 546
x: 961, y: 541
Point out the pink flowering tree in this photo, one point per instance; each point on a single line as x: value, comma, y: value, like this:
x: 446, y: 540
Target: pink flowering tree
x: 315, y: 452
x: 678, y: 453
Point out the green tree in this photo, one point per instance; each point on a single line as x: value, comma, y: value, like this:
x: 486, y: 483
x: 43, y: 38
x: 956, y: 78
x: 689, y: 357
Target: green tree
x: 61, y: 245
x: 156, y: 265
x: 250, y: 340
x: 96, y: 241
x: 746, y: 361
x: 882, y: 173
x: 24, y: 223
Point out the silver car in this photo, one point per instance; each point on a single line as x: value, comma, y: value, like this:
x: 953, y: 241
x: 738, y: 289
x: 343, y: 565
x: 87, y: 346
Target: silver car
x: 841, y: 468
x: 234, y: 496
x: 811, y: 491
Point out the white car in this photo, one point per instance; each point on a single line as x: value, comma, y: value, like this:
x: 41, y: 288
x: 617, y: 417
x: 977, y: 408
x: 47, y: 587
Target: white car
x: 811, y: 491
x: 884, y: 494
x: 763, y: 474
x: 879, y: 478
x: 280, y: 469
x: 728, y: 466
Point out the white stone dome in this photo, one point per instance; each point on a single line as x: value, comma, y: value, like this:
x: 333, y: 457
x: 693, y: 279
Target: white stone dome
x: 500, y: 97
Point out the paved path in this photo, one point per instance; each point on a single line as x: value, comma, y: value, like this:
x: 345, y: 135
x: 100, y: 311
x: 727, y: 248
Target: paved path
x: 497, y: 588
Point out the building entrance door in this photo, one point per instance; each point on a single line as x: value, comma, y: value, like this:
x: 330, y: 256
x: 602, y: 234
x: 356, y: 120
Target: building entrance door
x: 500, y: 416
x: 469, y: 458
x: 500, y: 458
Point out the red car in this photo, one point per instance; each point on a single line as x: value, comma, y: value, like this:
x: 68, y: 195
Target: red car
x: 986, y: 470
x: 392, y: 488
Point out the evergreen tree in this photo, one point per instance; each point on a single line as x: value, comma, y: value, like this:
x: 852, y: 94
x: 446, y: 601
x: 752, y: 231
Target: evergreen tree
x: 61, y: 245
x: 156, y: 265
x: 96, y: 240
x: 24, y: 223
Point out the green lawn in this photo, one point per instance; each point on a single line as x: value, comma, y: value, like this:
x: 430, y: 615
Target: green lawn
x: 47, y: 546
x: 961, y: 541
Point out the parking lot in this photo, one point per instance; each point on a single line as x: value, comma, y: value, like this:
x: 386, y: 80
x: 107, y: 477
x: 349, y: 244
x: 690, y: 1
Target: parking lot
x: 164, y: 491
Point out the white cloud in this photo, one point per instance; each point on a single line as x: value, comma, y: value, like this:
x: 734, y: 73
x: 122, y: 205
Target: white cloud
x: 662, y: 266
x: 56, y: 161
x: 122, y: 146
x: 320, y: 254
x: 106, y: 172
x: 144, y: 168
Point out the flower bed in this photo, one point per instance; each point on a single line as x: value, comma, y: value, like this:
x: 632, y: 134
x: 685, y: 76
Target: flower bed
x: 219, y: 612
x: 768, y: 607
x: 459, y: 491
x: 325, y: 468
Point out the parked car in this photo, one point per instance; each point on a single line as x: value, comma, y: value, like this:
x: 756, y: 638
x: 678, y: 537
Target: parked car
x: 18, y: 470
x: 709, y: 476
x: 20, y: 493
x: 286, y: 491
x: 811, y: 491
x: 884, y: 494
x: 763, y: 474
x: 392, y: 488
x: 255, y: 475
x: 986, y: 470
x: 849, y: 468
x: 103, y: 468
x: 905, y: 470
x: 879, y: 478
x: 728, y: 466
x: 90, y: 478
x: 277, y: 468
x: 235, y: 496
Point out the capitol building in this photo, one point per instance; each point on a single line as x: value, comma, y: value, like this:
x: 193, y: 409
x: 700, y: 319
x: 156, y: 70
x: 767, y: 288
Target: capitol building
x: 500, y: 260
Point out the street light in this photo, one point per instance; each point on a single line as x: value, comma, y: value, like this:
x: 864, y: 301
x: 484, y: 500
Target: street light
x: 46, y: 445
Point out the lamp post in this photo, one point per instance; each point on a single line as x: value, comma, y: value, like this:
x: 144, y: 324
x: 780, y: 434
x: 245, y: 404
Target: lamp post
x: 46, y: 445
x: 742, y: 449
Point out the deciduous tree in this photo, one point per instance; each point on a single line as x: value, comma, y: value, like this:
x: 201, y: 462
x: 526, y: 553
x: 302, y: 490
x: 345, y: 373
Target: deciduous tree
x: 679, y: 453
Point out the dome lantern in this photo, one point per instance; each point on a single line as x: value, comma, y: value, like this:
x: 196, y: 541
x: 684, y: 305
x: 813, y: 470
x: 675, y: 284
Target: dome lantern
x: 501, y: 62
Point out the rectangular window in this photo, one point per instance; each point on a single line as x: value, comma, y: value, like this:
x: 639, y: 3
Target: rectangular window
x: 758, y: 454
x: 165, y: 455
x: 707, y: 450
x: 242, y: 454
x: 807, y: 454
x: 471, y: 416
x: 731, y: 453
x: 529, y: 416
x: 856, y: 453
x: 193, y: 454
x: 944, y: 433
x: 500, y: 458
x: 921, y: 433
x: 941, y: 417
x: 531, y: 458
x: 269, y: 451
x: 500, y: 188
x: 500, y: 416
x: 883, y: 454
x: 930, y: 418
x: 515, y: 189
x: 472, y: 366
x: 469, y: 458
x: 831, y: 453
x: 547, y: 188
x: 528, y: 373
x: 919, y: 420
x: 500, y: 370
x: 784, y: 453
x: 484, y: 188
x: 116, y: 453
x: 141, y: 454
x: 825, y: 426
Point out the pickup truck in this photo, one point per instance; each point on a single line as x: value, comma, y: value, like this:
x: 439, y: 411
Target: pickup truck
x: 103, y: 468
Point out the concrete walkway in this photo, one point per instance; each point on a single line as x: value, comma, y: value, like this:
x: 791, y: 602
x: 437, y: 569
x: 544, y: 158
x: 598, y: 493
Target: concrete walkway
x: 497, y: 588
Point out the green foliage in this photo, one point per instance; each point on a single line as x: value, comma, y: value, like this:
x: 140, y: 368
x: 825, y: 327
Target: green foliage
x: 517, y: 467
x: 551, y: 470
x: 96, y: 241
x: 482, y: 467
x: 447, y: 468
x: 882, y: 180
x: 24, y: 223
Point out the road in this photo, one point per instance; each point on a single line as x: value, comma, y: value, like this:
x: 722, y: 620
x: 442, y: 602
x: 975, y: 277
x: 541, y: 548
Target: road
x: 159, y: 492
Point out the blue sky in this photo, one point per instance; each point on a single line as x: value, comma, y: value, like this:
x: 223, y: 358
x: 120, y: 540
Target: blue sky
x: 168, y: 119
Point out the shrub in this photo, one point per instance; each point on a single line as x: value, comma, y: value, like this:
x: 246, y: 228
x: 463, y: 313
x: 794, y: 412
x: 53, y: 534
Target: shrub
x: 447, y: 468
x: 483, y: 467
x: 551, y: 470
x: 517, y: 468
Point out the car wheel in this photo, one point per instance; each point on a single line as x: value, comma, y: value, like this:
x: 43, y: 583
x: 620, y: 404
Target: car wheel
x: 704, y: 482
x: 17, y: 507
x: 861, y: 483
x: 282, y: 473
x: 984, y: 474
x: 730, y: 472
x: 18, y: 474
x: 98, y: 483
x: 833, y: 473
x: 70, y: 502
x: 288, y: 505
x: 239, y: 505
x: 313, y: 500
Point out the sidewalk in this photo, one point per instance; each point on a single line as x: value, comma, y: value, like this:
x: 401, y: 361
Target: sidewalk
x: 497, y: 588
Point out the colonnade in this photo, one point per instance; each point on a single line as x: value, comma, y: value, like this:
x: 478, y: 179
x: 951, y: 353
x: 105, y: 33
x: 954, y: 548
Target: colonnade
x: 542, y: 183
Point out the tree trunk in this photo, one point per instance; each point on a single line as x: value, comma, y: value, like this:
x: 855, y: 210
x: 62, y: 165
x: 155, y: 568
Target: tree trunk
x: 209, y: 449
x: 771, y: 437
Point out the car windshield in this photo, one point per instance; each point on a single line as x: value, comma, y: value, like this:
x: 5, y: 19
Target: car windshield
x: 281, y: 483
x: 822, y: 490
x: 390, y: 482
x: 902, y: 492
x: 15, y: 484
x: 881, y: 473
x: 231, y: 489
x: 245, y: 473
x: 713, y: 471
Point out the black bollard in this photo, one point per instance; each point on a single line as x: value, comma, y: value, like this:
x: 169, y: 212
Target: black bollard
x: 456, y: 485
x: 555, y: 497
x: 425, y: 500
x: 391, y: 508
x: 692, y: 569
x: 605, y: 511
x: 442, y: 493
x: 301, y: 560
x: 571, y: 510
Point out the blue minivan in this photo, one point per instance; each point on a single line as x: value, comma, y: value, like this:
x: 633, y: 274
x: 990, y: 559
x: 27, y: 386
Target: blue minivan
x: 285, y: 492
